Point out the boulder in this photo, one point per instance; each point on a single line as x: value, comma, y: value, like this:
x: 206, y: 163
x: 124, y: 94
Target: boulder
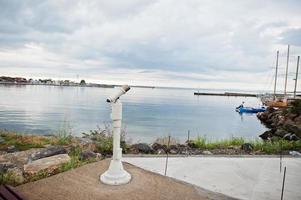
x: 280, y: 132
x: 292, y: 128
x: 87, y: 155
x: 291, y: 137
x: 4, y: 166
x: 206, y: 152
x: 87, y: 144
x: 47, y: 152
x: 48, y: 164
x: 195, y: 151
x: 266, y: 135
x: 294, y: 153
x: 173, y: 151
x: 141, y: 148
x: 247, y: 147
x: 157, y: 146
x: 11, y: 149
x: 160, y: 151
x: 19, y: 158
x: 297, y: 120
x: 190, y: 143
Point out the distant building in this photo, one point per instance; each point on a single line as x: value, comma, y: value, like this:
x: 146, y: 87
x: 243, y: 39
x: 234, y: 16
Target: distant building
x: 7, y: 79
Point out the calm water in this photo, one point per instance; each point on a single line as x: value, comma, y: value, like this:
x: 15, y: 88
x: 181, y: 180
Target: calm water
x: 148, y: 113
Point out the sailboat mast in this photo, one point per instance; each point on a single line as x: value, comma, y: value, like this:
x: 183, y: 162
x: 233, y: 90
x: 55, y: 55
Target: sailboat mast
x: 286, y: 71
x: 296, y: 79
x: 276, y: 75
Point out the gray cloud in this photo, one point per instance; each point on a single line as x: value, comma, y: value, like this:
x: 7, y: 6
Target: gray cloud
x: 292, y: 36
x: 151, y: 39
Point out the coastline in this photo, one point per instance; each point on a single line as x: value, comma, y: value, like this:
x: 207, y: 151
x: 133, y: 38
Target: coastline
x: 27, y: 158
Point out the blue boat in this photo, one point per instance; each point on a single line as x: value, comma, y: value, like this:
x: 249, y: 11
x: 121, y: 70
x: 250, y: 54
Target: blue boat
x: 250, y: 109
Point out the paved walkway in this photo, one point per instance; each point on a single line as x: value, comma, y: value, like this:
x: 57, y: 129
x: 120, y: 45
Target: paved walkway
x: 83, y: 184
x: 244, y: 178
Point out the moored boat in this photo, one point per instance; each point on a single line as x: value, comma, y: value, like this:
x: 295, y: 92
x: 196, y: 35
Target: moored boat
x: 250, y: 109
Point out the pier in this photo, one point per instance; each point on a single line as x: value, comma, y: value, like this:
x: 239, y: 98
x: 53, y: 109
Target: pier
x: 228, y: 94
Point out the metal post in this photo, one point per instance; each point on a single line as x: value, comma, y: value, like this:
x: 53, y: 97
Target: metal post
x: 276, y: 74
x: 286, y: 71
x: 280, y: 161
x: 116, y: 175
x: 167, y: 155
x: 188, y: 136
x: 283, y: 182
x: 296, y: 79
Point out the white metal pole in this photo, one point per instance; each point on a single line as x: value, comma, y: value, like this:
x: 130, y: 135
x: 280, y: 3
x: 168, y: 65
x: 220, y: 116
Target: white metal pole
x: 276, y: 74
x: 116, y: 175
x: 296, y: 79
x: 286, y: 71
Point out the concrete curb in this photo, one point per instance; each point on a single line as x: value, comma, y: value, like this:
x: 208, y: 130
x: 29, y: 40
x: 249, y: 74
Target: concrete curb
x: 213, y: 156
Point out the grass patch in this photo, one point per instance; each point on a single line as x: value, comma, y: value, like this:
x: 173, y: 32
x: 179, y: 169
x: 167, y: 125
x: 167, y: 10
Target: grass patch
x: 8, y: 178
x: 259, y: 145
x: 103, y: 138
x: 23, y: 142
x: 203, y: 143
x: 64, y: 134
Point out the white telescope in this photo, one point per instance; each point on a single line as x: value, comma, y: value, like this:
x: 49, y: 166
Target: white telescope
x: 115, y: 97
x: 116, y: 175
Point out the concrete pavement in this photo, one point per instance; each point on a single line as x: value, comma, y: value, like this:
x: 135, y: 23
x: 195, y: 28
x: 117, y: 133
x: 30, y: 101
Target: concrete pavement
x: 244, y: 177
x: 83, y: 184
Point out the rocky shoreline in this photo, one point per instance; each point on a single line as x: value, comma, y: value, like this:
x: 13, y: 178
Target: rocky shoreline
x: 26, y: 158
x: 283, y: 122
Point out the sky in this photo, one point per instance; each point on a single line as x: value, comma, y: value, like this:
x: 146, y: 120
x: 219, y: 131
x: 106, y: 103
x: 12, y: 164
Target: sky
x: 194, y: 43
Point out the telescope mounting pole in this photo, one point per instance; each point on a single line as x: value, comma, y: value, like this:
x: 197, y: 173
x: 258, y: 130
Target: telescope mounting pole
x: 116, y: 175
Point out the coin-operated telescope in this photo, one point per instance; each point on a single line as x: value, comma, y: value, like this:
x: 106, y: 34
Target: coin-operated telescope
x: 116, y: 175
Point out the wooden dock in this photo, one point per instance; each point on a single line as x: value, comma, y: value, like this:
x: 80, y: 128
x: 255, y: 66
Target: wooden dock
x: 227, y: 94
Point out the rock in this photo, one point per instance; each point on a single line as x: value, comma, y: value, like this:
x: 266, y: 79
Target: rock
x: 141, y: 148
x: 173, y: 151
x: 49, y: 164
x: 86, y: 143
x: 291, y: 127
x: 161, y: 151
x: 295, y: 153
x: 47, y: 152
x: 1, y: 140
x: 291, y: 137
x: 247, y: 147
x: 190, y: 143
x: 157, y: 146
x: 280, y: 132
x: 297, y: 120
x: 266, y: 135
x: 19, y: 158
x: 87, y: 155
x: 4, y: 166
x: 11, y: 149
x: 18, y: 174
x: 206, y: 152
x: 195, y: 151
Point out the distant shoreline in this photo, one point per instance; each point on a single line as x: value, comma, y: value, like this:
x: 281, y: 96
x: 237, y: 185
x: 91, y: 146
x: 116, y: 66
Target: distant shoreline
x: 87, y: 85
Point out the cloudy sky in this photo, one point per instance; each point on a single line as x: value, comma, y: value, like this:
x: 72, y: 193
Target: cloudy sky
x: 193, y: 43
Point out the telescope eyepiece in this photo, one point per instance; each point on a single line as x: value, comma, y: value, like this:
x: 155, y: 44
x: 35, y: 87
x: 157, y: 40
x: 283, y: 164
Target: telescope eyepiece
x: 115, y: 97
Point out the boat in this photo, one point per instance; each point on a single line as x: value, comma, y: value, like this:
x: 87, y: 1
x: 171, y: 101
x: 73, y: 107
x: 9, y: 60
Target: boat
x: 250, y: 109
